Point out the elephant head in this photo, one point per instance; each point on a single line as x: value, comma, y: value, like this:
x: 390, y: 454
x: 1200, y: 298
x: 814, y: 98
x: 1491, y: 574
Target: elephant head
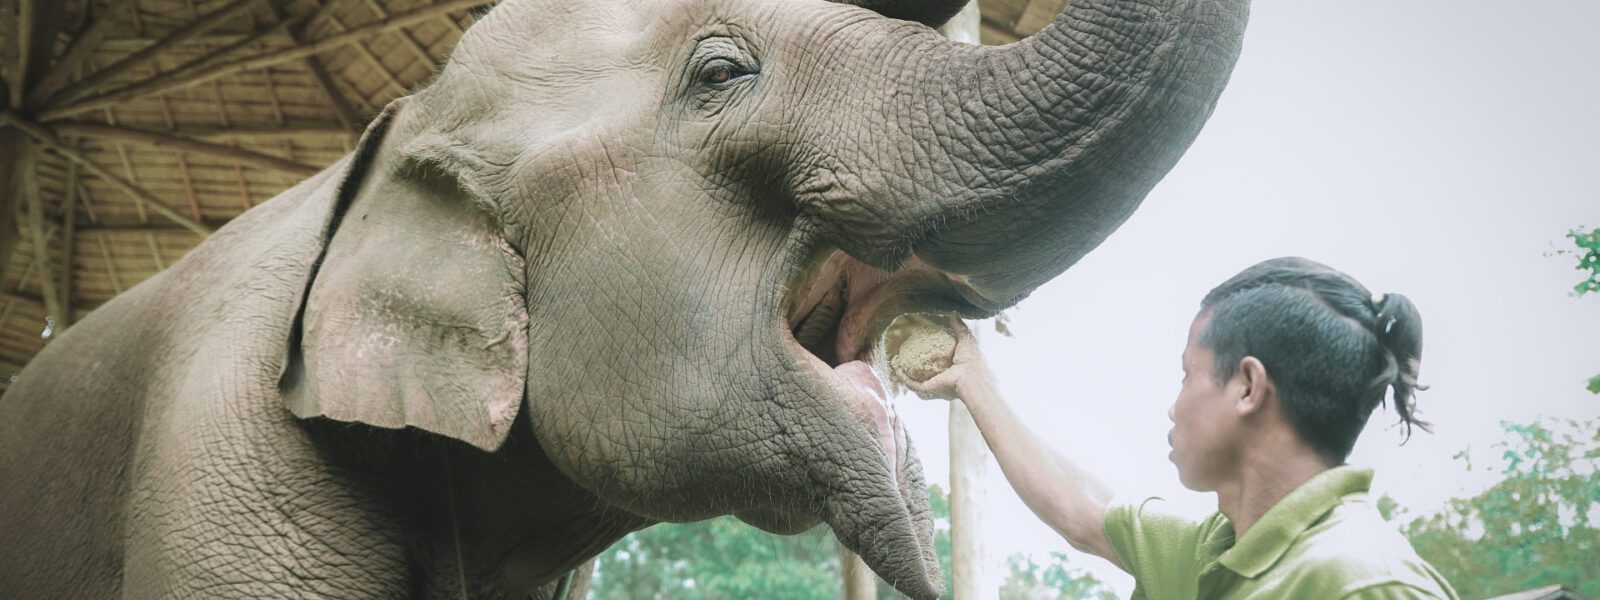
x: 671, y: 232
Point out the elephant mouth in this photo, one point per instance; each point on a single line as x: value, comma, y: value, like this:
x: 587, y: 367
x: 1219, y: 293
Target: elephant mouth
x: 835, y: 314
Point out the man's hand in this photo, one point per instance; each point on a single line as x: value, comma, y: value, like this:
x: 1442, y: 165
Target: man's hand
x: 967, y: 371
x: 1062, y: 494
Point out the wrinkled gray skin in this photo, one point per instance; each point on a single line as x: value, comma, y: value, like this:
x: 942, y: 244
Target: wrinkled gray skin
x: 549, y: 300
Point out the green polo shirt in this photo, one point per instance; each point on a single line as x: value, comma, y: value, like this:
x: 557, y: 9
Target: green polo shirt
x: 1323, y: 540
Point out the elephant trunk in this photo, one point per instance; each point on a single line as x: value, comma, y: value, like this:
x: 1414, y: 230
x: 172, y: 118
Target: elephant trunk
x: 1039, y: 149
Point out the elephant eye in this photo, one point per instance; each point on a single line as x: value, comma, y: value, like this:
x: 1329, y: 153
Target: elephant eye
x: 720, y: 72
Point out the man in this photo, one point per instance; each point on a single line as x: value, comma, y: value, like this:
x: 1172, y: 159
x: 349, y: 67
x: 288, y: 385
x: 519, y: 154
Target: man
x: 1284, y: 364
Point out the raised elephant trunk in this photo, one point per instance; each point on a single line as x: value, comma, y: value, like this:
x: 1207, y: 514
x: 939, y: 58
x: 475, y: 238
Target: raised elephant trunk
x: 1041, y: 148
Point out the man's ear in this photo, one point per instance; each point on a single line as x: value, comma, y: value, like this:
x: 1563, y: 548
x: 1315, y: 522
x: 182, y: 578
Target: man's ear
x: 1255, y: 388
x: 414, y: 313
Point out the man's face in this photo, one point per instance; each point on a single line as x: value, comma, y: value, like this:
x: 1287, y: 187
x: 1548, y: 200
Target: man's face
x: 1205, y: 424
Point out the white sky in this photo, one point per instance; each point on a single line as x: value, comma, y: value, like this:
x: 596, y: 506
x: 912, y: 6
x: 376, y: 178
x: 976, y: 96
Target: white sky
x: 1434, y: 148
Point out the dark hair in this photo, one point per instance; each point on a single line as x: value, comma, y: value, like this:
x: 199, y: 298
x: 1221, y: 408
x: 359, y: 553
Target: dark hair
x: 1332, y: 351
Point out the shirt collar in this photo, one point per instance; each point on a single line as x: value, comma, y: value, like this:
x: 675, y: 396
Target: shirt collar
x: 1271, y: 536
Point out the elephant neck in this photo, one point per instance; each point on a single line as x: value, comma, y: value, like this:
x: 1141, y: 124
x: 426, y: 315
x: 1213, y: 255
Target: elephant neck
x: 502, y: 524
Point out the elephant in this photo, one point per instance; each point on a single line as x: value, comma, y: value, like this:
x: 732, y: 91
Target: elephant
x: 621, y: 262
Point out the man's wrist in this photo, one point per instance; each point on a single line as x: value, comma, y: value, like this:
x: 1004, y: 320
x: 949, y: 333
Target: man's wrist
x: 976, y: 386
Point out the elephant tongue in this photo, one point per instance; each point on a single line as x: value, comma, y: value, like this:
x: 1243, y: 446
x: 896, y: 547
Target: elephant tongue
x: 870, y: 403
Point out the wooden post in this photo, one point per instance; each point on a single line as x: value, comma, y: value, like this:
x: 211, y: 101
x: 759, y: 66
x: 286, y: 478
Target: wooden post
x: 969, y: 456
x: 859, y: 582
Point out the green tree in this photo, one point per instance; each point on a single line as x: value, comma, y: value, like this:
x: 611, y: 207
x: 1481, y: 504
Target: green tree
x: 1056, y: 579
x: 1539, y: 526
x: 724, y: 558
x: 1588, y: 253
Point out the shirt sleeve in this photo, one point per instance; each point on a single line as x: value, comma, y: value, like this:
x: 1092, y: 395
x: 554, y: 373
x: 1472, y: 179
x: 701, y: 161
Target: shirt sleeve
x: 1158, y: 547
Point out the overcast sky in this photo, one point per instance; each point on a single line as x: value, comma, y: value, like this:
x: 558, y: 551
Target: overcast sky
x: 1434, y: 148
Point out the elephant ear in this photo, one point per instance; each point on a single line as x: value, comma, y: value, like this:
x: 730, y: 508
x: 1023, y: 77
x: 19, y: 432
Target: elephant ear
x: 413, y: 316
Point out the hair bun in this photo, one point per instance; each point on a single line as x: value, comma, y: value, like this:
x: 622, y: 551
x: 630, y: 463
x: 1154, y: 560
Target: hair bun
x: 1398, y: 326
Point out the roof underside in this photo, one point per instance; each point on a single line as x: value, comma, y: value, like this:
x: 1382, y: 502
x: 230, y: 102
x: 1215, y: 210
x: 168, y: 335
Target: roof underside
x: 145, y: 124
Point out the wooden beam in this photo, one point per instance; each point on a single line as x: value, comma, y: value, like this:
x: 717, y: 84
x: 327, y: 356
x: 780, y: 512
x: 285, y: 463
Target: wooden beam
x: 14, y: 156
x: 81, y: 47
x: 41, y: 247
x: 342, y: 110
x: 49, y: 140
x: 9, y: 53
x: 69, y: 232
x: 111, y: 268
x: 372, y: 59
x: 172, y: 83
x: 181, y: 35
x: 181, y: 144
x: 405, y: 36
x: 290, y: 131
x: 207, y: 59
x: 39, y: 21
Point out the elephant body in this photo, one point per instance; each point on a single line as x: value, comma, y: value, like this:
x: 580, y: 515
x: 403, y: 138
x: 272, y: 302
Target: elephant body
x: 624, y: 262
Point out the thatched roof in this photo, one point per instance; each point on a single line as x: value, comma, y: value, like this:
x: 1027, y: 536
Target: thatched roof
x: 129, y: 129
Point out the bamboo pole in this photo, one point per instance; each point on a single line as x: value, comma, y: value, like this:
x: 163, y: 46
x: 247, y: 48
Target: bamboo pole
x: 969, y: 456
x: 14, y: 156
x: 111, y: 267
x: 168, y: 84
x: 342, y: 110
x: 49, y: 140
x: 9, y: 54
x: 81, y: 47
x: 182, y: 144
x: 183, y: 34
x: 405, y: 37
x: 41, y: 246
x: 69, y: 235
x: 37, y: 23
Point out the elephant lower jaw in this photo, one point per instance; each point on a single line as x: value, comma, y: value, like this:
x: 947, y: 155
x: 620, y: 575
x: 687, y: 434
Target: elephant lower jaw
x: 836, y: 315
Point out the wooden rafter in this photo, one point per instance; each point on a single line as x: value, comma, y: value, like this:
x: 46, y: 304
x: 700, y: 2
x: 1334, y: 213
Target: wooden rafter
x: 41, y: 247
x: 406, y: 39
x: 181, y: 35
x: 231, y: 67
x: 54, y: 143
x: 69, y: 235
x: 174, y: 142
x: 37, y: 21
x: 389, y: 76
x: 81, y: 47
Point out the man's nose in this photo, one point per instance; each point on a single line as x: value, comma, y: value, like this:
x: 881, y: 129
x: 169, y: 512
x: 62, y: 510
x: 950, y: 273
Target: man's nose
x: 1172, y: 412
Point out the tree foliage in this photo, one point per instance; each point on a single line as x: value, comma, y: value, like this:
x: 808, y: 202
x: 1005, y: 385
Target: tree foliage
x: 724, y: 558
x: 1539, y: 526
x: 1055, y: 579
x: 1588, y: 253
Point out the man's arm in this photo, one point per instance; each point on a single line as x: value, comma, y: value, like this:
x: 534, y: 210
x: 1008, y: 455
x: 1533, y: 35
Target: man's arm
x: 1061, y: 493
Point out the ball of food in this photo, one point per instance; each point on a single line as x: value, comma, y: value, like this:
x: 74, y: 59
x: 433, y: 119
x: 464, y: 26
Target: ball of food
x: 928, y: 350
